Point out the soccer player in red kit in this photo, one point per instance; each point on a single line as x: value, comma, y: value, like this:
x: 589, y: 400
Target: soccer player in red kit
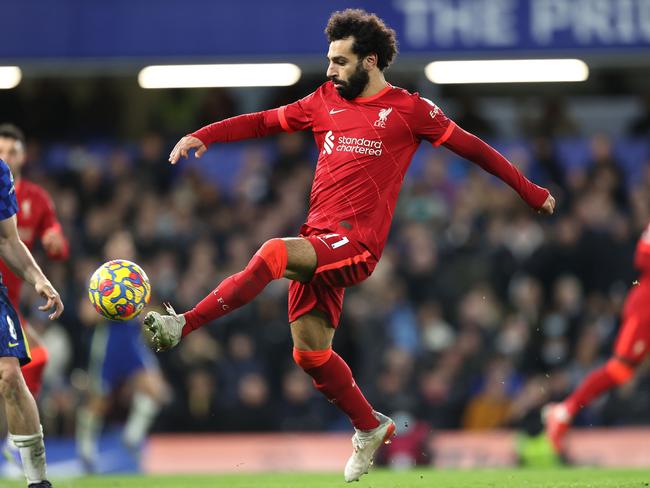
x: 630, y: 349
x: 366, y: 131
x: 36, y: 221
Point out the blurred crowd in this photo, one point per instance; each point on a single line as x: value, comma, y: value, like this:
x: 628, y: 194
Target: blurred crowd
x: 479, y: 312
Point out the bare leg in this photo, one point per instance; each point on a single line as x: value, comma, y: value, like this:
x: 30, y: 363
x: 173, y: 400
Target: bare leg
x: 90, y: 420
x: 22, y: 419
x: 312, y: 332
x: 301, y: 259
x: 20, y: 407
x: 150, y: 393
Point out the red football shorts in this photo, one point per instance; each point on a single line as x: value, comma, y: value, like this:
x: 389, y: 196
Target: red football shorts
x: 633, y: 340
x: 341, y: 262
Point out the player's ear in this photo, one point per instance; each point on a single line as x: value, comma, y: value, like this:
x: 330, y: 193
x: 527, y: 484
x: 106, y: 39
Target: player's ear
x: 370, y: 61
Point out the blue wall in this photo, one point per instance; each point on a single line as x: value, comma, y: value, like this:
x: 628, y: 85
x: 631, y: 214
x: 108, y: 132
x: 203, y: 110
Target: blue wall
x: 82, y: 29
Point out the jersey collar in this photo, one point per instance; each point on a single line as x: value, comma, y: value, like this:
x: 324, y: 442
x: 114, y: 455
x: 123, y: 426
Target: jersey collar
x: 380, y: 93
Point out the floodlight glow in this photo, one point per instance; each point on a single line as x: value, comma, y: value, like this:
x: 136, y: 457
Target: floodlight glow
x: 507, y: 71
x: 218, y: 75
x: 10, y: 76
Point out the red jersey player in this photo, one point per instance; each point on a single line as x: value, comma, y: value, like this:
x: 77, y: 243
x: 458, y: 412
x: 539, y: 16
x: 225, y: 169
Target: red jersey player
x: 630, y: 349
x: 366, y: 131
x: 36, y: 221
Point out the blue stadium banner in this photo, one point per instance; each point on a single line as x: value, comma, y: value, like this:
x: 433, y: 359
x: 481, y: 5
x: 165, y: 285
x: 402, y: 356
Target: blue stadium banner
x: 185, y: 29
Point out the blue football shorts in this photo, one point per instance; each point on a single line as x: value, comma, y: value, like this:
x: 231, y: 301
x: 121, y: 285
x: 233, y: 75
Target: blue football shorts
x: 12, y: 339
x: 117, y: 353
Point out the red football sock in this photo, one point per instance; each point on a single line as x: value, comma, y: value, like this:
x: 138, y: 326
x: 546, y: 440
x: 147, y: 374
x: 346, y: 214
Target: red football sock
x: 268, y: 264
x: 598, y: 382
x: 334, y: 380
x: 33, y: 371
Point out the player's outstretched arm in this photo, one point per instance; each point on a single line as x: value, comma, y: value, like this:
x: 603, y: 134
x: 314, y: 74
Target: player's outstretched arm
x: 248, y: 126
x: 21, y: 262
x: 479, y: 152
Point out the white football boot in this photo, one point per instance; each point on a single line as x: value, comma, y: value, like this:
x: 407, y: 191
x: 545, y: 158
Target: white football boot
x: 365, y: 444
x: 166, y: 329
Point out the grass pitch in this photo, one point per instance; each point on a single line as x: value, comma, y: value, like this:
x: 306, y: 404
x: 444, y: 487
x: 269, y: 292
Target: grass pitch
x: 525, y: 478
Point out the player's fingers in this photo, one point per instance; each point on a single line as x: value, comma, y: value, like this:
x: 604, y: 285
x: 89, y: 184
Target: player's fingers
x: 174, y: 151
x: 58, y: 310
x: 174, y: 155
x: 199, y: 152
x: 48, y: 305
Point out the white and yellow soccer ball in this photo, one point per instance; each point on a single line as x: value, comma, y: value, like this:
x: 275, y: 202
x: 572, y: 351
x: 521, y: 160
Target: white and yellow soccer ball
x: 119, y: 289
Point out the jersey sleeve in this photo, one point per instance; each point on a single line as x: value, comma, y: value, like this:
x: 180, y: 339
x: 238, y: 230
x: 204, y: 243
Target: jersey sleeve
x: 49, y: 223
x: 429, y: 122
x: 8, y: 202
x: 298, y: 115
x: 642, y: 254
x: 48, y: 220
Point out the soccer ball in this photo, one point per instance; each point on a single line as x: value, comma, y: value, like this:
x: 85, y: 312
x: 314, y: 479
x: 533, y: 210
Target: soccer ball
x: 119, y: 289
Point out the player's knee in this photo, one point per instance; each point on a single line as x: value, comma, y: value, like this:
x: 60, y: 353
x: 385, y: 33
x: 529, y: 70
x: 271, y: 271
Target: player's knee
x: 274, y: 254
x: 311, y: 359
x: 153, y: 385
x: 620, y: 371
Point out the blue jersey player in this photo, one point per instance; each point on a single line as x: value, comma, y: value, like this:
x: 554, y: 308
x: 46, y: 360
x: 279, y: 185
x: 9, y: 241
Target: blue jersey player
x: 23, y: 421
x: 118, y: 356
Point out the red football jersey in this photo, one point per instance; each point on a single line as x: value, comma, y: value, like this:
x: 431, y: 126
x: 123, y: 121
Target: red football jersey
x: 642, y: 255
x: 365, y: 147
x: 35, y: 217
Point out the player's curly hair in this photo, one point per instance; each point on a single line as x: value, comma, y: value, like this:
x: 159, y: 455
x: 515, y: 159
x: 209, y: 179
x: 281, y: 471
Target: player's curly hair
x: 371, y: 34
x: 10, y: 131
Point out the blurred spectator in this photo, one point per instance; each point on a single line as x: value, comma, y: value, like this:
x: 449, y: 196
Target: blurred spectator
x: 554, y: 120
x: 641, y: 125
x: 492, y: 406
x: 470, y: 118
x: 253, y: 411
x: 605, y: 174
x: 543, y: 154
x: 301, y: 409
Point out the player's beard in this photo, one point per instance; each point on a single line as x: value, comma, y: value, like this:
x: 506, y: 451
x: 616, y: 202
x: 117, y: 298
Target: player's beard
x: 355, y: 85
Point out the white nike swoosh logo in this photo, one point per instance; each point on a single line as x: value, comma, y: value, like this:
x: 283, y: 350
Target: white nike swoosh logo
x: 332, y: 112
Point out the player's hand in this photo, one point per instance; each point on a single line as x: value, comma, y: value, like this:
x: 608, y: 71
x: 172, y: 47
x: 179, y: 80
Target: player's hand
x: 182, y: 148
x: 53, y: 242
x: 47, y: 291
x: 549, y: 206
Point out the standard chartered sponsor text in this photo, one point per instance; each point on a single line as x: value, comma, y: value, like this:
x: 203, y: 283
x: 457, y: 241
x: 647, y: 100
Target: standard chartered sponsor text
x: 359, y: 145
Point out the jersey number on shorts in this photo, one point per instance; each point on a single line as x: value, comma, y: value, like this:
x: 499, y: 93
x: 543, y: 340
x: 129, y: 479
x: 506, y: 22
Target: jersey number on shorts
x: 12, y: 328
x: 343, y: 240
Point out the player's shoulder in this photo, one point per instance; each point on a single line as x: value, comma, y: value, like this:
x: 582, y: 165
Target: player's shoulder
x: 325, y: 90
x: 411, y: 100
x: 6, y: 177
x: 5, y: 171
x: 312, y: 100
x: 33, y: 189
